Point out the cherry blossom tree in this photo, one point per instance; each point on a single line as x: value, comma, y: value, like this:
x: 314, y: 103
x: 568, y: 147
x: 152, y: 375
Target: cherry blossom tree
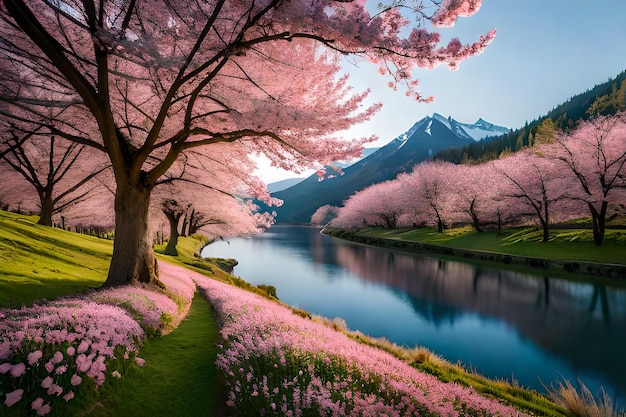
x: 473, y: 186
x: 210, y: 193
x: 432, y: 197
x: 147, y: 82
x: 378, y: 205
x: 57, y: 172
x: 324, y: 215
x: 532, y: 184
x: 594, y: 155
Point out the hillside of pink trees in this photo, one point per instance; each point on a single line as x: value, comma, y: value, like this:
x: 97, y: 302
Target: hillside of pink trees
x: 577, y: 174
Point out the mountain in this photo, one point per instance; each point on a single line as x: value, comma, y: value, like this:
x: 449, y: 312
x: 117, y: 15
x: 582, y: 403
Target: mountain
x: 334, y: 184
x: 283, y: 184
x: 276, y: 186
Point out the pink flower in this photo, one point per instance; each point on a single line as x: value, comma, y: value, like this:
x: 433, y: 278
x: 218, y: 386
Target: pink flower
x: 36, y: 405
x: 34, y: 356
x: 5, y: 367
x: 76, y: 380
x: 140, y: 361
x: 49, y: 366
x: 13, y: 397
x: 58, y: 357
x: 116, y: 374
x: 84, y: 345
x: 45, y: 409
x: 61, y: 370
x: 55, y: 389
x: 71, y: 351
x: 18, y: 370
x: 47, y: 382
x: 5, y: 349
x: 68, y: 396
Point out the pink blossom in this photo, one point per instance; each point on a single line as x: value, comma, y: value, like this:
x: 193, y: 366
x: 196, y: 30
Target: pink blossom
x: 47, y: 382
x: 5, y: 350
x: 34, y: 356
x: 58, y: 357
x: 55, y: 389
x: 61, y: 370
x: 76, y: 380
x: 18, y: 370
x: 37, y: 404
x: 140, y: 361
x: 45, y: 409
x: 84, y: 345
x: 49, y: 366
x: 71, y: 350
x: 68, y: 396
x: 5, y: 367
x: 13, y: 397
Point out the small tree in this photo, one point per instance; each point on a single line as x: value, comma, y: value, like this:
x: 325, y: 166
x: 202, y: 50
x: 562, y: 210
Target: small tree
x: 51, y: 173
x: 324, y: 214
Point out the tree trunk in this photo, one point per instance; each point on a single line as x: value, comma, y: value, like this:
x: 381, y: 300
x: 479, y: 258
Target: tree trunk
x: 598, y: 220
x: 47, y: 206
x: 173, y: 219
x: 474, y: 216
x: 133, y: 258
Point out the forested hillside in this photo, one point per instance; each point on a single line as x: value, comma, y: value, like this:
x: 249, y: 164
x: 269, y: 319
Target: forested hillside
x: 606, y: 98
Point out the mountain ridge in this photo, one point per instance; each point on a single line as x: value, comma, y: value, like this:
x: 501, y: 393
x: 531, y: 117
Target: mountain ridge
x: 420, y: 142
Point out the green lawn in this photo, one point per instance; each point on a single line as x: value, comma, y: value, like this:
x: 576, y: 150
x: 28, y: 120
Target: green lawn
x: 39, y: 262
x: 574, y: 245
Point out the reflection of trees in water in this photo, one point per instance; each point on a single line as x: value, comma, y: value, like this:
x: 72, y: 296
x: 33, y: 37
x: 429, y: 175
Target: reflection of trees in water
x: 582, y: 323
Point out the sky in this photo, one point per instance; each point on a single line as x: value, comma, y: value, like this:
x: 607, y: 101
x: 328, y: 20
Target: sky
x: 545, y: 52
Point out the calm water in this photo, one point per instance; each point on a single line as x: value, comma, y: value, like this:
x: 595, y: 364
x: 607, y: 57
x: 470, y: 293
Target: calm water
x: 531, y: 329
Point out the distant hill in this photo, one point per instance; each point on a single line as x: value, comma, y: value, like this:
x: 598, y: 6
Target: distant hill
x: 333, y: 186
x: 608, y: 97
x: 274, y: 187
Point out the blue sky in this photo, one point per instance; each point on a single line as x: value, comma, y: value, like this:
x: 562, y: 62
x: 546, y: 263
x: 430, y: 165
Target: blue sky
x: 545, y: 51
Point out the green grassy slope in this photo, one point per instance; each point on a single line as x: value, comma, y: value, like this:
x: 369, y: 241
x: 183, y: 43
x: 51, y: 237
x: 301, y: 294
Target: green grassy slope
x: 38, y: 262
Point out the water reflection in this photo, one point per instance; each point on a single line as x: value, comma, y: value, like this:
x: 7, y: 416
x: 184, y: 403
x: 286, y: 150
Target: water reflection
x: 503, y: 323
x: 582, y: 323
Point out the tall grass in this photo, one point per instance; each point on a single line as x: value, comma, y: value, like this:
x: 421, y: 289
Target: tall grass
x: 582, y: 403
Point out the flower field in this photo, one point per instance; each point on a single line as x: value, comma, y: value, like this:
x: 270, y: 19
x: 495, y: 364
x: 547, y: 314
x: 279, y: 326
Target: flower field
x: 52, y: 352
x: 276, y: 363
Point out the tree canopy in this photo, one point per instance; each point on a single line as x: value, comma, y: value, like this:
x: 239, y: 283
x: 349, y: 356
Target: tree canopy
x: 147, y: 82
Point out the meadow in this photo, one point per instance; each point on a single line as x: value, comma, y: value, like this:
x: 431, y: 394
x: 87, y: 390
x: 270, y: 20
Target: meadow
x: 209, y: 344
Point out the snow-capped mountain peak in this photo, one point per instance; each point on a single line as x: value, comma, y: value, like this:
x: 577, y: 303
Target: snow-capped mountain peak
x: 476, y: 131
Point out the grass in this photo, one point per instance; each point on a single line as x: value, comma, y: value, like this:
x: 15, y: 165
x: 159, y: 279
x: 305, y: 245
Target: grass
x: 179, y: 378
x: 38, y: 262
x: 566, y: 244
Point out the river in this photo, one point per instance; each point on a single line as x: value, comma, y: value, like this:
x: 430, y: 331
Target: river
x: 534, y: 330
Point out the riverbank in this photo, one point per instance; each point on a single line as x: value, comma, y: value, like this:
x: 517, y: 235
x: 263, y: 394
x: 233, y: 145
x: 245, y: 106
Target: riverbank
x: 566, y: 254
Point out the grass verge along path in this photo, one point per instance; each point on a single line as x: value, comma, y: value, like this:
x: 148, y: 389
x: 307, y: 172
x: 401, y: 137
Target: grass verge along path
x: 179, y: 377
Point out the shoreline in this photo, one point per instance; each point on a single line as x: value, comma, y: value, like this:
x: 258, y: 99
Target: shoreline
x: 592, y: 269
